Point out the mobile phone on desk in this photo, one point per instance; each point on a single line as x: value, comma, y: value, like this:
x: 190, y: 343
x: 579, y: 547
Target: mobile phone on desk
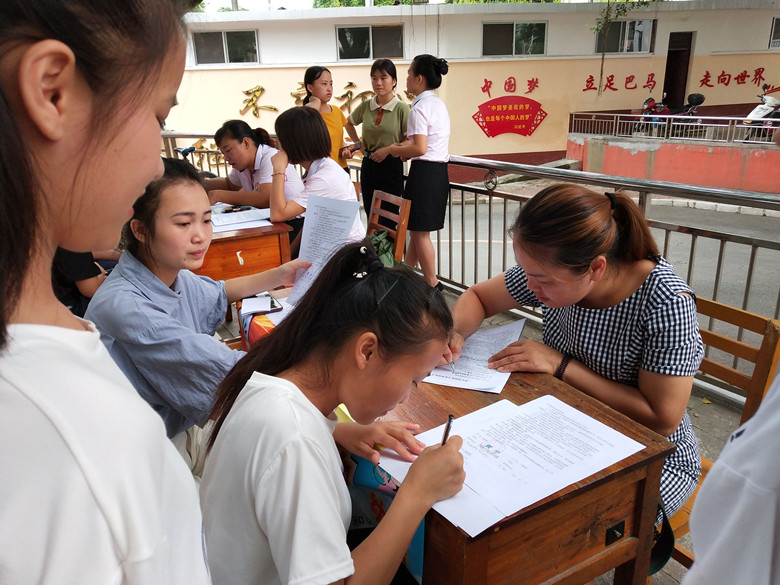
x: 275, y: 304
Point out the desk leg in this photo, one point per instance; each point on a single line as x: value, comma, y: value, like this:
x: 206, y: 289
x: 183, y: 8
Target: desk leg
x: 635, y: 571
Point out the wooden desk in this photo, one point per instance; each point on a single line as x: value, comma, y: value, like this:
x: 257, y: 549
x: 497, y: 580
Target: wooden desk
x: 246, y: 251
x: 569, y: 537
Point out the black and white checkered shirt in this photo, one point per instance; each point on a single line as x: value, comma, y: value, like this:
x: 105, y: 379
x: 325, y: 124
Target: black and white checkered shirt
x: 655, y: 329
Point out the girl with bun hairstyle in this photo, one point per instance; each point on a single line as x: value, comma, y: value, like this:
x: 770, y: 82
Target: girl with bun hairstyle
x: 427, y: 145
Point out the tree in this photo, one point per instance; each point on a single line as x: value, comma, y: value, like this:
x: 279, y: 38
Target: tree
x: 613, y: 11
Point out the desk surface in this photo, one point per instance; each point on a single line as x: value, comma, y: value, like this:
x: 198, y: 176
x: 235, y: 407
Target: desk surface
x: 602, y: 522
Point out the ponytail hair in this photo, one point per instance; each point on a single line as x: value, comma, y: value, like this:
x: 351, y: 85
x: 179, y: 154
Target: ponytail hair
x: 570, y: 225
x: 312, y: 74
x: 353, y: 294
x: 238, y: 130
x: 431, y: 68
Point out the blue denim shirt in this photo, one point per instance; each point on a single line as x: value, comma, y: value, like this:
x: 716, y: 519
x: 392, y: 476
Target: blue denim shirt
x: 162, y: 338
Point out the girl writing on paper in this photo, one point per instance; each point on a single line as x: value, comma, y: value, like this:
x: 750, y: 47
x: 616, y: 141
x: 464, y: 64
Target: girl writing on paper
x: 304, y: 140
x: 428, y: 184
x: 384, y: 120
x: 619, y: 324
x: 275, y: 502
x: 249, y: 152
x: 91, y: 490
x: 318, y: 83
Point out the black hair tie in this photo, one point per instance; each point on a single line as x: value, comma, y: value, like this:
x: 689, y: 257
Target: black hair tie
x: 372, y: 262
x: 612, y: 199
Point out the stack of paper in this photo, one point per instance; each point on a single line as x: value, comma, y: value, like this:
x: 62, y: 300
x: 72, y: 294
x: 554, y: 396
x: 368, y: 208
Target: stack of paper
x: 515, y: 456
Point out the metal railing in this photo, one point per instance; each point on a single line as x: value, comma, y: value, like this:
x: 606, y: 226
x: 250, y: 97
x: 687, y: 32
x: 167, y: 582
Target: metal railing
x: 740, y: 268
x: 690, y: 128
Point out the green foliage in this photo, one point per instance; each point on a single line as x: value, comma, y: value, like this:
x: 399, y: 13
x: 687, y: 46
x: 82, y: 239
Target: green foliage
x: 199, y: 7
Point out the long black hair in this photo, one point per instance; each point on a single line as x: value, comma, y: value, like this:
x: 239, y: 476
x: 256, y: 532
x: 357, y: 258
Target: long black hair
x: 351, y: 295
x: 120, y: 49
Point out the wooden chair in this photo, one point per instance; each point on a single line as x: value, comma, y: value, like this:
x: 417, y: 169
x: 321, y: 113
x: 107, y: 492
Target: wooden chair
x: 754, y: 386
x: 400, y: 219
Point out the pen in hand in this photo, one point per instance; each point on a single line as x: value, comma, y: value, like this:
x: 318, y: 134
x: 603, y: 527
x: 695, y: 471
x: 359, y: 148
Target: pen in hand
x: 447, y: 428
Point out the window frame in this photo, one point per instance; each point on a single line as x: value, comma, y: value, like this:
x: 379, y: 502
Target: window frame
x: 623, y: 38
x: 774, y: 34
x: 225, y: 48
x: 371, y: 56
x: 514, y: 53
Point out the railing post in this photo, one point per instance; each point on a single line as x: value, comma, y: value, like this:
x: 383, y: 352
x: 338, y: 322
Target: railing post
x: 644, y: 201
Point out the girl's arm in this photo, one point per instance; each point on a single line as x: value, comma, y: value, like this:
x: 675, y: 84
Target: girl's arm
x: 436, y: 475
x: 658, y: 403
x: 281, y: 209
x: 246, y: 286
x: 408, y: 149
x: 353, y: 135
x: 260, y: 197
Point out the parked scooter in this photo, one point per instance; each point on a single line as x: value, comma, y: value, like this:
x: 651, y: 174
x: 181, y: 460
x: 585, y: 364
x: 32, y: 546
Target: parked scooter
x: 649, y: 122
x: 764, y: 117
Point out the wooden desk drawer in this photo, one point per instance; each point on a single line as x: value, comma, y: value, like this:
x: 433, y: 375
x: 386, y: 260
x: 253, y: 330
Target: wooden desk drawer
x: 234, y: 257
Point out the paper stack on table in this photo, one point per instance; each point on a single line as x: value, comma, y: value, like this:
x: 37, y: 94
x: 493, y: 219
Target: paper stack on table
x: 515, y: 455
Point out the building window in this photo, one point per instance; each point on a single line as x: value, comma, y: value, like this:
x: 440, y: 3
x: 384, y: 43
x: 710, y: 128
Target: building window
x: 627, y: 36
x: 240, y: 46
x: 774, y: 41
x: 370, y: 42
x: 511, y: 39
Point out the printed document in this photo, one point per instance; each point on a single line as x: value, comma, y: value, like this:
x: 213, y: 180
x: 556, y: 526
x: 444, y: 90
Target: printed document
x: 326, y: 230
x: 515, y: 455
x: 471, y: 370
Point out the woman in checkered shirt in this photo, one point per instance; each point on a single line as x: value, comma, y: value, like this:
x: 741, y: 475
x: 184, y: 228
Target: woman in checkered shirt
x: 618, y: 323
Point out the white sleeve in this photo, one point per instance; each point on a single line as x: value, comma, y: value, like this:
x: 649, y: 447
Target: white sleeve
x: 297, y: 506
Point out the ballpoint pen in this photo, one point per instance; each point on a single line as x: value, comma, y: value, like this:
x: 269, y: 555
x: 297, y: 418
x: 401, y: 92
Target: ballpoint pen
x: 447, y: 428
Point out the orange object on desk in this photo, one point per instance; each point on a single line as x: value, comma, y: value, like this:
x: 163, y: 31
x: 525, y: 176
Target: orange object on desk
x: 259, y: 326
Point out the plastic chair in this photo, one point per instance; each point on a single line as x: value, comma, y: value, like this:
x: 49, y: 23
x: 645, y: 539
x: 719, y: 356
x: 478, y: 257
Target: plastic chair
x: 400, y: 219
x: 754, y: 386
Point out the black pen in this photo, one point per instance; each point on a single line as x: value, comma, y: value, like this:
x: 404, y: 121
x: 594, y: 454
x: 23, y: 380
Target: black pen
x: 447, y: 428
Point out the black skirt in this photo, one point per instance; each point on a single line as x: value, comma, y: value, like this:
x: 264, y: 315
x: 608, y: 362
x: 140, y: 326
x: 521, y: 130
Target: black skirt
x: 427, y: 187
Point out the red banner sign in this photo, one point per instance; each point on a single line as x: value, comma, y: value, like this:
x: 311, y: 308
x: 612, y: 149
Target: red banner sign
x: 515, y: 114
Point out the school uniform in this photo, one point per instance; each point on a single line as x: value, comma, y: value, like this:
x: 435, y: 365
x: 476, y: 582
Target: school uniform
x: 428, y: 184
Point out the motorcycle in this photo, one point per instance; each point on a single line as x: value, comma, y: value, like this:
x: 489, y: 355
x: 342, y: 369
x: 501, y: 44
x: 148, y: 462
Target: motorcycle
x: 764, y: 117
x: 651, y: 110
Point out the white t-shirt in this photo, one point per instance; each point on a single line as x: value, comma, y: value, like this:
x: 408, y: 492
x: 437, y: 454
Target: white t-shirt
x: 250, y: 179
x: 735, y: 523
x: 429, y: 117
x: 276, y: 507
x: 327, y: 179
x: 91, y: 490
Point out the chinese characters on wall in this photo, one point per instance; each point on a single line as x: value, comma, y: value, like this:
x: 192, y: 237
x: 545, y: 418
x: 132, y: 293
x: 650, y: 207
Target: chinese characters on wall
x: 510, y: 113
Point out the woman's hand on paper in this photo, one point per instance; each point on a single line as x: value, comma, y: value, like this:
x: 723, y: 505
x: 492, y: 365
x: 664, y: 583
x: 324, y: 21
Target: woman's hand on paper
x: 364, y: 440
x: 526, y: 355
x: 438, y: 473
x: 287, y: 271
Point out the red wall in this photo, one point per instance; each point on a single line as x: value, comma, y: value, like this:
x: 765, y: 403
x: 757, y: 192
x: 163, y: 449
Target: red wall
x: 749, y: 168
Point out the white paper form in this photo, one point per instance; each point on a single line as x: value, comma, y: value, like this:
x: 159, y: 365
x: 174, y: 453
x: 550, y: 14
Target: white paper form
x: 326, y: 229
x: 471, y: 370
x: 515, y: 456
x: 223, y: 222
